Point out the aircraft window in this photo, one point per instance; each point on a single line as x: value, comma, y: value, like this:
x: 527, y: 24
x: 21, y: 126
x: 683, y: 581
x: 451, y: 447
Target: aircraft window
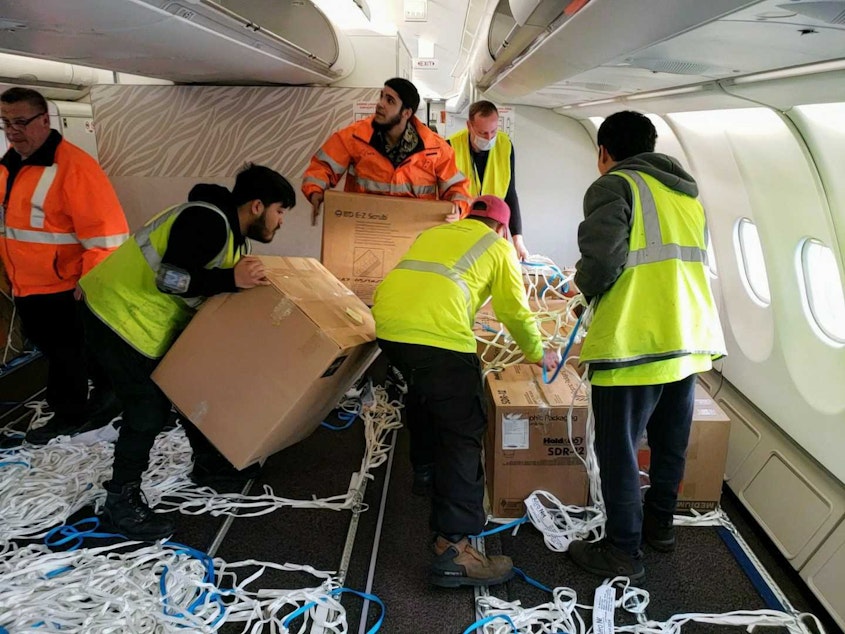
x: 823, y: 289
x: 753, y: 269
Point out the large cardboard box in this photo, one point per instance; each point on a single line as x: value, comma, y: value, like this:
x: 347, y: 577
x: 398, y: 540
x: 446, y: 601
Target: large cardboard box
x: 701, y: 488
x: 364, y: 235
x: 259, y: 370
x: 527, y: 445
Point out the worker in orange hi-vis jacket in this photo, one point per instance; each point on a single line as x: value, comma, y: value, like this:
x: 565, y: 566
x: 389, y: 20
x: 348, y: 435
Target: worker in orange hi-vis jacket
x: 391, y: 153
x: 59, y: 218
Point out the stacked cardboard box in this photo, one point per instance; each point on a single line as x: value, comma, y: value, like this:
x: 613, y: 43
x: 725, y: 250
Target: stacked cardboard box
x: 364, y: 236
x: 528, y: 444
x: 259, y: 370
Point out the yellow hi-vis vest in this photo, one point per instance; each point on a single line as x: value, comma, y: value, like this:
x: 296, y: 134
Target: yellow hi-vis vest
x: 122, y: 289
x: 661, y: 306
x: 497, y: 172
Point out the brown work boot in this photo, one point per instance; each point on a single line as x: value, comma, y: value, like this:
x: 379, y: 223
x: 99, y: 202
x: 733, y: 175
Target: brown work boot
x: 459, y: 564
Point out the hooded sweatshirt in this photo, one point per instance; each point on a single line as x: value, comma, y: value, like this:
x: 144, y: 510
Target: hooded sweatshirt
x: 604, y: 234
x: 198, y: 235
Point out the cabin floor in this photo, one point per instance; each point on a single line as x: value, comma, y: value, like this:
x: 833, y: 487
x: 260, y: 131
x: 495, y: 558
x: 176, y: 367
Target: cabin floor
x: 391, y: 546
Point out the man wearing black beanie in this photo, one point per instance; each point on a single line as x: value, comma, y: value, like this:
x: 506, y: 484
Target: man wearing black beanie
x: 410, y: 160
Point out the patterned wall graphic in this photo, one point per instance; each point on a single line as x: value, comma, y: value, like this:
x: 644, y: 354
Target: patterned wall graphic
x: 154, y: 142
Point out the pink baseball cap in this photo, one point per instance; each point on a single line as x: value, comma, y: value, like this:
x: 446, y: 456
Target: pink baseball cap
x: 491, y: 207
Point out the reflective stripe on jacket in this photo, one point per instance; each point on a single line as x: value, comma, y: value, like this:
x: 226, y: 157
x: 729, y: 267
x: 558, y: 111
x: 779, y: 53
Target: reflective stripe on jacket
x: 122, y: 290
x: 431, y: 297
x: 497, y: 173
x: 661, y: 306
x: 430, y: 173
x: 60, y: 221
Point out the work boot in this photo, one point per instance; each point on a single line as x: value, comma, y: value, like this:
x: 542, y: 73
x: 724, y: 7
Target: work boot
x: 215, y: 472
x: 55, y: 427
x: 102, y: 407
x: 606, y: 560
x: 658, y: 533
x: 126, y: 512
x: 423, y: 480
x: 459, y: 564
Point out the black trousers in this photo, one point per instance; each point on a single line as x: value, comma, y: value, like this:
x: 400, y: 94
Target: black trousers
x: 445, y: 414
x: 623, y: 414
x: 52, y: 322
x: 146, y: 409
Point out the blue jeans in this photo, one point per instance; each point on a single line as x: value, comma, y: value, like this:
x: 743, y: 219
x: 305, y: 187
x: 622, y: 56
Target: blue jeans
x: 623, y: 414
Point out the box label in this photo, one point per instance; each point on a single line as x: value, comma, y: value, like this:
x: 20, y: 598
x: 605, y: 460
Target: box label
x: 334, y: 367
x: 514, y: 432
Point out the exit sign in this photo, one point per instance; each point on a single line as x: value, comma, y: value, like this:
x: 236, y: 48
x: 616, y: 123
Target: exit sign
x: 425, y: 63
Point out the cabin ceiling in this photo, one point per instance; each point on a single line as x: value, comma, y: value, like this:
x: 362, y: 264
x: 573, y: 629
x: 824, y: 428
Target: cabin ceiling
x: 761, y: 36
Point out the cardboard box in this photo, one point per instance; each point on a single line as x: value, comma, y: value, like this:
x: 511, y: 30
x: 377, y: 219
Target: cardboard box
x: 527, y: 444
x: 257, y: 371
x: 364, y: 235
x: 701, y: 488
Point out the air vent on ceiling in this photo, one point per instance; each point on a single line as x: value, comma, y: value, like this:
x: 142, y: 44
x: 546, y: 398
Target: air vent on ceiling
x: 676, y: 66
x: 595, y: 86
x: 831, y: 11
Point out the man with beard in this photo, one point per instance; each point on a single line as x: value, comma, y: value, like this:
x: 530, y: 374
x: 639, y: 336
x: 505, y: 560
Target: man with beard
x: 391, y: 153
x: 143, y: 295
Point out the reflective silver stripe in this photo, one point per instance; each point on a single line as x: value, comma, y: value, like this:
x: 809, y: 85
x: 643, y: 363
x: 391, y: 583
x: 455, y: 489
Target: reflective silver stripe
x: 36, y: 211
x: 655, y: 250
x: 104, y: 242
x: 644, y: 358
x: 457, y: 178
x: 319, y: 183
x: 336, y: 167
x: 464, y: 263
x: 41, y: 237
x: 455, y: 197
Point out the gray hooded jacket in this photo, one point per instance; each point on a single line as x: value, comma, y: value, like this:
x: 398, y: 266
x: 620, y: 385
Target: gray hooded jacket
x: 604, y: 234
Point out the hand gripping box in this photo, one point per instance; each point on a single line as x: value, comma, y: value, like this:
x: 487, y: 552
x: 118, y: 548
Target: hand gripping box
x: 365, y: 235
x: 528, y: 444
x: 257, y: 371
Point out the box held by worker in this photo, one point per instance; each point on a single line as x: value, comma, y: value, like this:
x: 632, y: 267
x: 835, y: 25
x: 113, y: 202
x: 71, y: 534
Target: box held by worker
x: 257, y: 371
x: 365, y: 235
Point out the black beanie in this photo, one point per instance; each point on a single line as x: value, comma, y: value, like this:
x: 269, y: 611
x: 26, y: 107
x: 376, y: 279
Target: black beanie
x: 407, y: 92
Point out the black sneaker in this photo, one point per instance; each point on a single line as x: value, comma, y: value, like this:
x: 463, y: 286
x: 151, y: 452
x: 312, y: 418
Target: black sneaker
x: 657, y: 533
x: 606, y: 560
x: 55, y: 427
x: 423, y: 480
x: 126, y: 512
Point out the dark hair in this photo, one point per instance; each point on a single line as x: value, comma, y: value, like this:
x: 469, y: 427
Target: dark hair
x: 407, y: 92
x: 626, y: 133
x: 30, y: 96
x: 482, y: 109
x: 256, y: 182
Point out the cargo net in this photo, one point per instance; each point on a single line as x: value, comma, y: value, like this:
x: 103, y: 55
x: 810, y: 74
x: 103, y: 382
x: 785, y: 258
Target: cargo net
x: 166, y: 587
x: 553, y: 298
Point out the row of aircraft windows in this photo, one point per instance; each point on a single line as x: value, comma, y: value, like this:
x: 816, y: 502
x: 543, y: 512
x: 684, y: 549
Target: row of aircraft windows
x: 818, y: 276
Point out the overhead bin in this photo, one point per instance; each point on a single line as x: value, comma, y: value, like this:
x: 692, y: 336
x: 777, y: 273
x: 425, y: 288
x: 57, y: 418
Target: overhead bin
x: 186, y: 41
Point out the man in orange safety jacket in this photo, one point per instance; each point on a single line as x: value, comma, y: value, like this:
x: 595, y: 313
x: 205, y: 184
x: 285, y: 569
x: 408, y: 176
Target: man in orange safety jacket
x: 59, y: 218
x: 391, y: 153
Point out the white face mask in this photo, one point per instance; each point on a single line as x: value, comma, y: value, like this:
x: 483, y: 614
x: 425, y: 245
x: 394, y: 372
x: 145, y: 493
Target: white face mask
x: 483, y: 145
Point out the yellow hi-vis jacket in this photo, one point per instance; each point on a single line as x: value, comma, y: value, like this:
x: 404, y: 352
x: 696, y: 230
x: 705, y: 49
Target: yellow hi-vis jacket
x: 661, y: 308
x: 497, y: 173
x: 431, y: 297
x: 122, y: 289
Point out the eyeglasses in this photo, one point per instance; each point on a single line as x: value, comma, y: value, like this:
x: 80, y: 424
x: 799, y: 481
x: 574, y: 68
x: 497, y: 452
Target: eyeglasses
x: 18, y: 124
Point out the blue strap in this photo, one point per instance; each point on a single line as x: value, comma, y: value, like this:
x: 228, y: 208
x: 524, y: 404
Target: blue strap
x: 768, y: 596
x: 503, y: 527
x: 518, y: 572
x: 565, y: 352
x: 76, y: 533
x: 348, y: 417
x: 369, y: 597
x: 8, y: 463
x: 487, y: 619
